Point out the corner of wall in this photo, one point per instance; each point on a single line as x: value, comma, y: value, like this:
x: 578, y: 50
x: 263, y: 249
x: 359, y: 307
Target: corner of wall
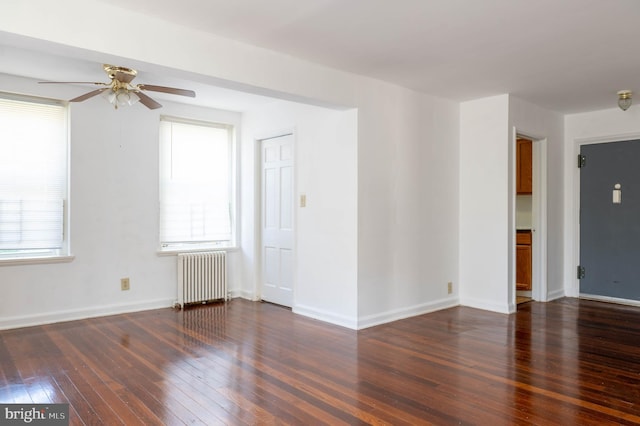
x: 411, y: 311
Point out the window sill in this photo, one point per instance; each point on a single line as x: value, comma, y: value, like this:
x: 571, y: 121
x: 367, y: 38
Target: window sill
x: 36, y: 260
x: 197, y: 250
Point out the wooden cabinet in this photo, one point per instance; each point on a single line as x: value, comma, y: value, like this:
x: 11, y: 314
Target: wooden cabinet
x: 523, y: 260
x: 524, y: 166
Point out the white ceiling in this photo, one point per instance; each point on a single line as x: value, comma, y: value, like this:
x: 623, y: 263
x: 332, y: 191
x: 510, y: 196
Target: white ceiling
x: 564, y: 55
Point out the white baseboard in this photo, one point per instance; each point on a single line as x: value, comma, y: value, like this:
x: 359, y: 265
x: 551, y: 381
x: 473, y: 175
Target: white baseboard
x: 608, y: 299
x: 410, y: 311
x: 84, y: 313
x: 325, y: 316
x: 556, y: 294
x: 488, y: 305
x: 242, y: 294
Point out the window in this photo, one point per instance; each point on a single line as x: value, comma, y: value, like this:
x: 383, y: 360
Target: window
x: 33, y: 177
x: 196, y: 185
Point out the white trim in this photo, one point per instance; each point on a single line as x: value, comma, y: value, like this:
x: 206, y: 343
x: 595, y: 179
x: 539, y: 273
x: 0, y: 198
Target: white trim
x: 620, y: 137
x: 257, y: 218
x: 36, y: 260
x: 608, y: 299
x: 33, y: 99
x: 84, y: 313
x: 539, y: 234
x: 326, y: 316
x: 557, y: 294
x: 183, y: 120
x: 276, y: 134
x: 574, y: 283
x: 242, y: 294
x: 512, y: 150
x: 489, y: 305
x: 196, y: 250
x: 411, y: 311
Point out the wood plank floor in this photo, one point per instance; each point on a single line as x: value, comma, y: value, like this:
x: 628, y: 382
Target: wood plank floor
x: 568, y: 362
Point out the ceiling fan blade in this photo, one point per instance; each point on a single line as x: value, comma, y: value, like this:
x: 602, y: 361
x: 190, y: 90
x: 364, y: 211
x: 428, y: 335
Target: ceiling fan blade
x: 73, y: 82
x: 88, y: 95
x: 172, y: 90
x: 147, y: 101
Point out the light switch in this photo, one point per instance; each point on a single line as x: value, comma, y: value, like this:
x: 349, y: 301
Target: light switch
x: 617, y: 194
x: 303, y: 200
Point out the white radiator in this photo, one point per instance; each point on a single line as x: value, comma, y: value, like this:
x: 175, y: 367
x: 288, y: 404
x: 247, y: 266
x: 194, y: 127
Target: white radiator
x: 202, y: 277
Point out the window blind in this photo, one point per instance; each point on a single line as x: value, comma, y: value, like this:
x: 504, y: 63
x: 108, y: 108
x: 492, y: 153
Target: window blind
x: 33, y: 174
x: 195, y: 183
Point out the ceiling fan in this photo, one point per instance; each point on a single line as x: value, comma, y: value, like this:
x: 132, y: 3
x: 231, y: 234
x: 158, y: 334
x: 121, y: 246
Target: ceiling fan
x: 120, y: 92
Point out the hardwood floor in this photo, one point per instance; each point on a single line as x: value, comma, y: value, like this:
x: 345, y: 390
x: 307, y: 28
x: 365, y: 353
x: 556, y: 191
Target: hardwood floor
x: 566, y: 362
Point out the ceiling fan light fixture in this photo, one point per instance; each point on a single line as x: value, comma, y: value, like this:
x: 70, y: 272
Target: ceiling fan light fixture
x: 120, y: 97
x: 624, y: 99
x: 109, y: 95
x: 133, y: 98
x: 125, y: 97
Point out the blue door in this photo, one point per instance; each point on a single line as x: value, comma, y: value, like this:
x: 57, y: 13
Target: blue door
x: 610, y: 220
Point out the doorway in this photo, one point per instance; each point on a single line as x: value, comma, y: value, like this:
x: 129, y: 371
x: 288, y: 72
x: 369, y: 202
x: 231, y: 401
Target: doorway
x: 530, y: 218
x: 277, y: 221
x: 609, y: 226
x: 524, y: 218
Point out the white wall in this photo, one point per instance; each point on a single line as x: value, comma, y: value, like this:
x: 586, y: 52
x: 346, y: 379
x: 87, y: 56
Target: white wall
x: 406, y: 148
x: 541, y: 124
x: 487, y: 198
x: 325, y: 148
x: 485, y: 189
x: 382, y: 204
x: 593, y: 127
x: 114, y: 217
x: 428, y: 211
x: 407, y: 204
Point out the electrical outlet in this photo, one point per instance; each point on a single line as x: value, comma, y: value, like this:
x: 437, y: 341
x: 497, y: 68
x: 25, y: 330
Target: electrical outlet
x: 449, y: 287
x: 124, y: 284
x: 303, y: 200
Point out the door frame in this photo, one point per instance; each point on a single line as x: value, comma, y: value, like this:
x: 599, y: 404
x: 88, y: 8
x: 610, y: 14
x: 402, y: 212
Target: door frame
x: 577, y: 144
x: 539, y: 286
x: 258, y: 209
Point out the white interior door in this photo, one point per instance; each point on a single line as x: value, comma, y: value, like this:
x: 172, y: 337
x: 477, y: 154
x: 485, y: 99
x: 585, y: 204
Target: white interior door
x: 277, y: 220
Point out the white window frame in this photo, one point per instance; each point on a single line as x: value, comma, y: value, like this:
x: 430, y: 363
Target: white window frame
x: 231, y: 244
x: 57, y: 255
